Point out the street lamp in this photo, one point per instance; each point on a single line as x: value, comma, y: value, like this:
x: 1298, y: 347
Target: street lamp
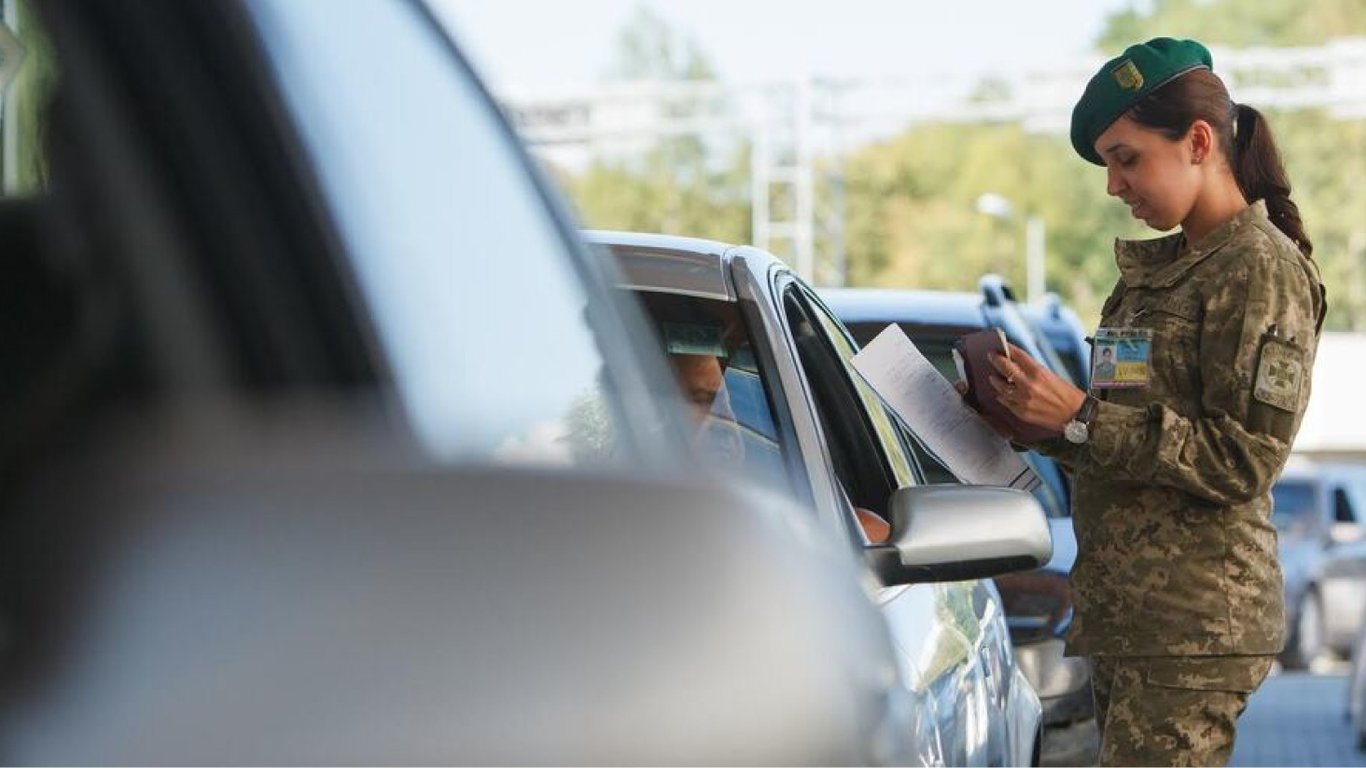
x: 999, y: 207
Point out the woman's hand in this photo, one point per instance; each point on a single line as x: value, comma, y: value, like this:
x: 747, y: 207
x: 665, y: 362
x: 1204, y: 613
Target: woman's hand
x: 1034, y: 394
x: 997, y: 425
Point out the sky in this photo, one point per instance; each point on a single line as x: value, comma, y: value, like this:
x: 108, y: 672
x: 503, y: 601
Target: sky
x: 546, y: 45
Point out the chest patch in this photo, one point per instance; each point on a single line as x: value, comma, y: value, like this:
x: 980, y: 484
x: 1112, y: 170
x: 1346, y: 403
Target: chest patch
x: 1280, y: 374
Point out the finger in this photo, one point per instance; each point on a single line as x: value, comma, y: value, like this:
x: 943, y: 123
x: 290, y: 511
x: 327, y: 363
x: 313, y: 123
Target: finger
x: 961, y: 386
x: 1007, y: 369
x: 1022, y: 359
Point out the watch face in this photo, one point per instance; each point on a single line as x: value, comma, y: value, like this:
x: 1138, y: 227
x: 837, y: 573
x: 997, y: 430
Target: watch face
x: 1076, y: 432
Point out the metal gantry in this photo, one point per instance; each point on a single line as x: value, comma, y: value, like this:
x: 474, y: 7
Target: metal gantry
x: 800, y: 130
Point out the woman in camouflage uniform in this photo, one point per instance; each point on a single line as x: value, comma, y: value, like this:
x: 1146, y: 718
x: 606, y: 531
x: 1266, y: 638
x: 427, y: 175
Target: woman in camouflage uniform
x: 1172, y: 455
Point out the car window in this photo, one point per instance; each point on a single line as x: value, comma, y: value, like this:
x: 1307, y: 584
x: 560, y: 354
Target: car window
x: 1293, y: 505
x: 711, y: 353
x: 1342, y: 507
x: 889, y: 432
x: 869, y: 459
x: 1051, y: 492
x: 478, y: 307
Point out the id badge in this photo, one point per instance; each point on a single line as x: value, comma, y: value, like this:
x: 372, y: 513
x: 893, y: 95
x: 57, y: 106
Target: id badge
x: 1121, y: 358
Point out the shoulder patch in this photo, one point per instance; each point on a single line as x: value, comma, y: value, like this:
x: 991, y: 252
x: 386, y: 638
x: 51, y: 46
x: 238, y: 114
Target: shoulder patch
x: 1280, y: 375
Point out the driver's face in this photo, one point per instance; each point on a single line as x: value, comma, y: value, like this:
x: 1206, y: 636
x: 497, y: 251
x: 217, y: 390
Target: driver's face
x: 700, y: 378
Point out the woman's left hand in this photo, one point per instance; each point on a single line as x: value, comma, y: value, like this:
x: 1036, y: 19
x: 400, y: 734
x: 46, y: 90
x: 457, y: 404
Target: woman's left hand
x: 1033, y: 393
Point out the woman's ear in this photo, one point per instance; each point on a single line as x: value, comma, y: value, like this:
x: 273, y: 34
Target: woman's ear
x: 1201, y: 140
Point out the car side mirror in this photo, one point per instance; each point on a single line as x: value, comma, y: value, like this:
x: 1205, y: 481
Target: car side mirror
x: 957, y: 532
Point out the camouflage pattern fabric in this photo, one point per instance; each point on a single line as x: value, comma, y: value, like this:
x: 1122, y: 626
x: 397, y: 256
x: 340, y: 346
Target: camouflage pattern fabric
x: 1173, y: 710
x: 1171, y: 503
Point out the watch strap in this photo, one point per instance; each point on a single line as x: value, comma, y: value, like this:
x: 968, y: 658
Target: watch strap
x: 1087, y: 411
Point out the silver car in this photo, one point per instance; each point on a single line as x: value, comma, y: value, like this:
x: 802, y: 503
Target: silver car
x: 1318, y: 509
x: 766, y: 369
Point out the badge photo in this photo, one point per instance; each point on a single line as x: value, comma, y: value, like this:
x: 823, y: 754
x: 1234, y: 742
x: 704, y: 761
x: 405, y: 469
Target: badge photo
x: 1121, y: 358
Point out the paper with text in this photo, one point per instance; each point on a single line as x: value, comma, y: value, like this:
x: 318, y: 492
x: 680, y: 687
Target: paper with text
x: 912, y: 387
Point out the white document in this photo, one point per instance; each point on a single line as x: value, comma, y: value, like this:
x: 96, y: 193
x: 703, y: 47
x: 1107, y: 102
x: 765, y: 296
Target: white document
x: 912, y: 387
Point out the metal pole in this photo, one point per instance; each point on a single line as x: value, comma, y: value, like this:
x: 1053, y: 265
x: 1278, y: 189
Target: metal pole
x: 805, y: 185
x: 9, y: 128
x: 759, y: 181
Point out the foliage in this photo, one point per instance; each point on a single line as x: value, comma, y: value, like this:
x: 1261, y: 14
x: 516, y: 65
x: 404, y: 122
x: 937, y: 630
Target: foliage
x: 1236, y: 23
x: 649, y: 49
x: 31, y: 89
x: 910, y: 202
x: 1325, y: 158
x: 678, y: 186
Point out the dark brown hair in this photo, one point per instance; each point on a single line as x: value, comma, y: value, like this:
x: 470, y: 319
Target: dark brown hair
x: 1243, y: 134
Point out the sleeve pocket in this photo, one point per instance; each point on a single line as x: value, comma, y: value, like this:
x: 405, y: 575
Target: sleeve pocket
x: 1241, y: 674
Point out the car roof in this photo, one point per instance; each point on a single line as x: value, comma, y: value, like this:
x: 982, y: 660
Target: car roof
x: 858, y: 305
x: 673, y: 264
x: 1304, y: 469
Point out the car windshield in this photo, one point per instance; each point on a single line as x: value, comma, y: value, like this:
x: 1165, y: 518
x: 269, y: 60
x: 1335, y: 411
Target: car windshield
x: 1292, y: 505
x: 1056, y: 342
x: 713, y: 358
x: 471, y: 285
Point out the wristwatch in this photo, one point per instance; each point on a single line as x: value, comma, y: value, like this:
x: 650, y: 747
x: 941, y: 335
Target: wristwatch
x: 1078, y: 430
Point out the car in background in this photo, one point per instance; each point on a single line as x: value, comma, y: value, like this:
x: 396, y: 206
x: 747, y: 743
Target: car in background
x: 1059, y: 327
x: 324, y: 443
x: 1318, y: 509
x: 776, y: 400
x: 1038, y: 603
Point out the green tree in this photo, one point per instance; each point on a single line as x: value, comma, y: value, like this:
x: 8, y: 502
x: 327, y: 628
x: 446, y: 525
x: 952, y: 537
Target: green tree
x: 683, y: 184
x: 1325, y: 157
x: 30, y: 91
x: 1236, y: 23
x: 648, y: 48
x: 913, y: 220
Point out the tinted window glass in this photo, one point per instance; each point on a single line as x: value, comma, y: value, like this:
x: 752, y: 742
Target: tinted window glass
x: 469, y: 282
x: 1051, y: 492
x: 1292, y: 506
x: 711, y: 354
x: 1342, y: 507
x: 852, y: 425
x: 888, y: 432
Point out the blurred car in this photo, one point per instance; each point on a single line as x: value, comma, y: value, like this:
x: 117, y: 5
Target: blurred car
x: 324, y: 444
x: 786, y: 409
x: 1059, y: 327
x: 1038, y: 603
x: 1318, y: 509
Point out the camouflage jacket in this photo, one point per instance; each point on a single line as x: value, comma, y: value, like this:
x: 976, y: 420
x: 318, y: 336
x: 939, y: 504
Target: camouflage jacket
x: 1171, y: 493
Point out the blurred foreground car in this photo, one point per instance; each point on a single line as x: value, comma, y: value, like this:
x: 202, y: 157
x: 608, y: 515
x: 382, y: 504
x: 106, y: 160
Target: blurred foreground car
x: 1038, y: 603
x: 301, y: 468
x: 1318, y: 509
x: 776, y: 399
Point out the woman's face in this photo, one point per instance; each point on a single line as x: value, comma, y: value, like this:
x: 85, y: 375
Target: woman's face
x: 1152, y: 174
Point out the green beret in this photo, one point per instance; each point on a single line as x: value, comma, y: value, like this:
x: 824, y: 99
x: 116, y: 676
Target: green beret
x: 1125, y: 79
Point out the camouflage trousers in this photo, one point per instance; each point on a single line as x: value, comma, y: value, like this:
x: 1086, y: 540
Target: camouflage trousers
x: 1172, y: 710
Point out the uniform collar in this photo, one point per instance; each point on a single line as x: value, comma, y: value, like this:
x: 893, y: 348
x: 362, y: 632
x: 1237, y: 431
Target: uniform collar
x: 1160, y: 262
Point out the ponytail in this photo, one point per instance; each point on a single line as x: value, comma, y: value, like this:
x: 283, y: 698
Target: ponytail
x: 1243, y: 135
x: 1260, y: 175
